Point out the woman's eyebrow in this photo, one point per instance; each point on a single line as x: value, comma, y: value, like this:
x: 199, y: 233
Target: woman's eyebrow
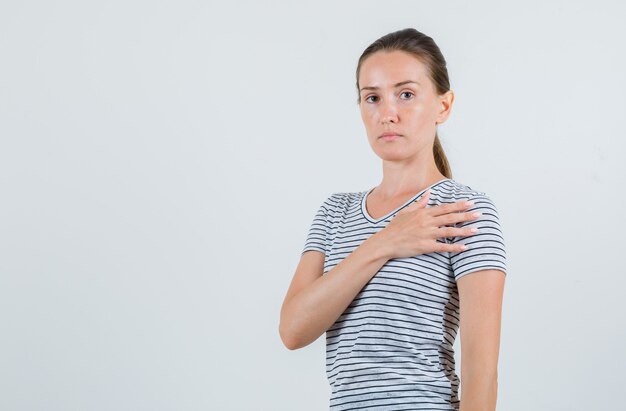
x: 395, y: 85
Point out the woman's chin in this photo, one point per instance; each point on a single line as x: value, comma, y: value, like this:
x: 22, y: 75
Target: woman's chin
x: 388, y: 155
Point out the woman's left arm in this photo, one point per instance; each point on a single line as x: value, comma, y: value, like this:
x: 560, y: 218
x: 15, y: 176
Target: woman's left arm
x: 480, y: 295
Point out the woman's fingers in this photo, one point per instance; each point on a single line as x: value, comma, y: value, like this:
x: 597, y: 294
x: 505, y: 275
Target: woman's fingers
x: 453, y: 218
x: 448, y: 248
x: 421, y: 203
x: 456, y: 232
x: 418, y: 233
x: 443, y: 209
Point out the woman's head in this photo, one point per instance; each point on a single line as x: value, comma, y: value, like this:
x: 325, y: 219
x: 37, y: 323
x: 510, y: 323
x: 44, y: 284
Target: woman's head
x: 413, y: 110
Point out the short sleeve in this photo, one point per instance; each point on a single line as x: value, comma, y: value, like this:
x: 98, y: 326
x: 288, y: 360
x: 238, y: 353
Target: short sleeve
x: 317, y: 235
x: 486, y: 248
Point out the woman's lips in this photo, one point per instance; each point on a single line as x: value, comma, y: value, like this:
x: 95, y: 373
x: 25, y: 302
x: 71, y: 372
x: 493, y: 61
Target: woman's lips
x: 389, y: 137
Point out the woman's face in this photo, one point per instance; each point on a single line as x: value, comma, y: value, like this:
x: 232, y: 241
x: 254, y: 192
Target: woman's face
x: 398, y: 96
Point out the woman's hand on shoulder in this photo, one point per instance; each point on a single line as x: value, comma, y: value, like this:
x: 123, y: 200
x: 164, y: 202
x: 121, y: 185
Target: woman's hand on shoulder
x: 416, y: 228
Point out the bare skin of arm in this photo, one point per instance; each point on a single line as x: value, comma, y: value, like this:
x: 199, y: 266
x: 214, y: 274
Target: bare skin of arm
x: 314, y: 301
x: 480, y: 296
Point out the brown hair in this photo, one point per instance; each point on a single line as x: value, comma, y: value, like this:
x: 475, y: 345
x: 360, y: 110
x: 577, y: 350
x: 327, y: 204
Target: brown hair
x: 424, y: 48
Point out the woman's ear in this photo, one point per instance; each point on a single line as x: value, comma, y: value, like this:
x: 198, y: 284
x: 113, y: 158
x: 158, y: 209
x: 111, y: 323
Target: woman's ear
x: 445, y: 104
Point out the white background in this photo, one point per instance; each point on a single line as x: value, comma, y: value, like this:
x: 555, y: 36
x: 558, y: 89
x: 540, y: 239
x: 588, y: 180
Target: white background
x: 160, y: 164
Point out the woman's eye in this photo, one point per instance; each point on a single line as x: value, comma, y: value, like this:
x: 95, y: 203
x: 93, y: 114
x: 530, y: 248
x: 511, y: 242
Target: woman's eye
x: 407, y: 92
x: 368, y: 99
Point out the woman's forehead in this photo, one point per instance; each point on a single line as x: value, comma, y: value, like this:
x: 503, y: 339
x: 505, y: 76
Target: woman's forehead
x: 384, y: 70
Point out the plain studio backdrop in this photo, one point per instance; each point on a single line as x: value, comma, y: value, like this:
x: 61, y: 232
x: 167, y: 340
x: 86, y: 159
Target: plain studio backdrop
x: 161, y: 162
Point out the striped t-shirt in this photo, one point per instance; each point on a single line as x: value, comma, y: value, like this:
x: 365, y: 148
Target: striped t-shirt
x: 392, y: 348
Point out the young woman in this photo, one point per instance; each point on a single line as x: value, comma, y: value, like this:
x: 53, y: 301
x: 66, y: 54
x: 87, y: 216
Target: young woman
x: 384, y: 272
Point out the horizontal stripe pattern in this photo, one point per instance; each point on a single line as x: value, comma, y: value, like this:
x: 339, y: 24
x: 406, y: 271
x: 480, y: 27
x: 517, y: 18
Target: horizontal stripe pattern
x: 392, y: 348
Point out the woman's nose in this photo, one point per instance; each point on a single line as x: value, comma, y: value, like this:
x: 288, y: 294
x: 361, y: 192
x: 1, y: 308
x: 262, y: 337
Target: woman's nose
x: 388, y: 112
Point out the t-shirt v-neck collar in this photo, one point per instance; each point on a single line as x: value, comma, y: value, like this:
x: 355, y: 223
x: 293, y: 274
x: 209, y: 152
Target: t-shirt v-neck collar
x: 378, y: 220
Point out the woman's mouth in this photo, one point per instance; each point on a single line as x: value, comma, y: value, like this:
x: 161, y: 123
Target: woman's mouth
x: 389, y: 136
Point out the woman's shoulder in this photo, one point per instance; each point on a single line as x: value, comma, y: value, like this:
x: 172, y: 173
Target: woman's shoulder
x: 458, y: 188
x: 340, y: 199
x: 452, y: 190
x: 336, y: 200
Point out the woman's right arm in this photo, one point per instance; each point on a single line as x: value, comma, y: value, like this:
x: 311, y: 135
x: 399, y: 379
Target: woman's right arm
x: 315, y: 301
